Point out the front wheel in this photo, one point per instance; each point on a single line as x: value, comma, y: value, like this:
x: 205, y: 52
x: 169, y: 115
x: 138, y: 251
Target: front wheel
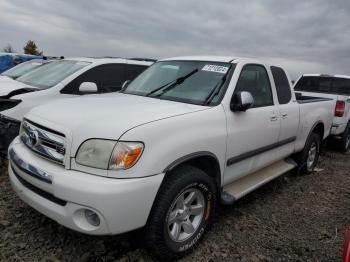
x: 181, y: 213
x: 308, y: 158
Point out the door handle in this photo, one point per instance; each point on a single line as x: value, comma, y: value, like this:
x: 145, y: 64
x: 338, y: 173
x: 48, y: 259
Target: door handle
x: 284, y: 115
x: 273, y: 118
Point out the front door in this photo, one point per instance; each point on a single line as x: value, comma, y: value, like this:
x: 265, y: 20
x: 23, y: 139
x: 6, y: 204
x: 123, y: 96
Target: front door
x: 252, y: 135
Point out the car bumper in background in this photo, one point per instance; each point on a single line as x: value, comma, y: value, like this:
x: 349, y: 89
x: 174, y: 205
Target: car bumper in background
x: 338, y: 129
x: 64, y: 195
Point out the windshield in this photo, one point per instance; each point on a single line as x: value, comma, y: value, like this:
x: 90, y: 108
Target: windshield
x: 193, y: 82
x: 21, y: 69
x: 52, y: 73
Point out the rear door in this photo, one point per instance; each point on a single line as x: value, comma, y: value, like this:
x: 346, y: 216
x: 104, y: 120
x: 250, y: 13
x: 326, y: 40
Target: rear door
x: 288, y: 109
x: 252, y: 135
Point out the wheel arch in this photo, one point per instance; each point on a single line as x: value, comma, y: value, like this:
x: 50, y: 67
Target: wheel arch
x: 317, y: 128
x: 204, y: 160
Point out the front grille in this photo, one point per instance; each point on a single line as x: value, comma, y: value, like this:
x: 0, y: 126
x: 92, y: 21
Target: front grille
x: 45, y: 142
x: 39, y: 191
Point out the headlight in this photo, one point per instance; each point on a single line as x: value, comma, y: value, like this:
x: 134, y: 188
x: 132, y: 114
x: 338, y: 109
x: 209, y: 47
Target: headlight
x: 108, y: 154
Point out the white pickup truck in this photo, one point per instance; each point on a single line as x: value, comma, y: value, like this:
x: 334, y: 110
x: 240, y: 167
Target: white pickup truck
x: 185, y: 134
x: 335, y: 87
x: 58, y: 80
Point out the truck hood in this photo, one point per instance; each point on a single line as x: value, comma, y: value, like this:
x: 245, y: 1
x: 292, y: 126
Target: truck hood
x: 9, y: 85
x: 106, y: 116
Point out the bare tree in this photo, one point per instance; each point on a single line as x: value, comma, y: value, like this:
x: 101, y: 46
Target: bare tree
x: 8, y: 49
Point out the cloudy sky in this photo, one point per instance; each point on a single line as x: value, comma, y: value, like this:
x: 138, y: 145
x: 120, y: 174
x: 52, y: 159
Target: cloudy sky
x: 303, y: 36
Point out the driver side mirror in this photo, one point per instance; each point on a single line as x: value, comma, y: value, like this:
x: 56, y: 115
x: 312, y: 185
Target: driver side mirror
x: 241, y: 101
x: 88, y: 87
x: 125, y: 85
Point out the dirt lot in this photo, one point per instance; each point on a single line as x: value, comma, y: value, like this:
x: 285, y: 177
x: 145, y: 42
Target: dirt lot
x: 290, y: 219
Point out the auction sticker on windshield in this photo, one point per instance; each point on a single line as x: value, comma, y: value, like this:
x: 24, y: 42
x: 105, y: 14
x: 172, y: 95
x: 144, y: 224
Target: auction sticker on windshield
x: 215, y: 68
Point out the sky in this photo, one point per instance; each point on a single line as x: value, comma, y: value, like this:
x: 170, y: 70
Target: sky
x: 310, y: 36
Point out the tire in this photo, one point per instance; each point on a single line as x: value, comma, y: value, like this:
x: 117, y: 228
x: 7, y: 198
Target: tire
x: 168, y: 214
x: 344, y: 143
x: 304, y: 159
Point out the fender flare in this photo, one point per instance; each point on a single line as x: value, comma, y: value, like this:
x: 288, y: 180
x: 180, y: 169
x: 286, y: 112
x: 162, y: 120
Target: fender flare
x: 216, y: 175
x: 190, y: 156
x: 312, y: 130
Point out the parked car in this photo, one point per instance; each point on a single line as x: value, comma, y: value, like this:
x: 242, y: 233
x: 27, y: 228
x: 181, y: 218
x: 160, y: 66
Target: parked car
x: 57, y: 80
x: 9, y: 60
x: 21, y: 69
x: 186, y: 133
x: 336, y: 87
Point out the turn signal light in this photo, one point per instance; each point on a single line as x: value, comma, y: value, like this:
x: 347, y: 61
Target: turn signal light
x: 125, y: 155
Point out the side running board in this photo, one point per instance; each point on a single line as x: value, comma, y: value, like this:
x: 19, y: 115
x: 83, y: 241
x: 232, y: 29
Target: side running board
x: 248, y: 183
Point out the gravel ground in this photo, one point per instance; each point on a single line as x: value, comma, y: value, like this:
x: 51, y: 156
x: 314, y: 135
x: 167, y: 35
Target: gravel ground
x: 293, y: 218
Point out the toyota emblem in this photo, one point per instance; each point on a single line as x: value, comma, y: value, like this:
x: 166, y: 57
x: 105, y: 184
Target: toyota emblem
x: 33, y: 137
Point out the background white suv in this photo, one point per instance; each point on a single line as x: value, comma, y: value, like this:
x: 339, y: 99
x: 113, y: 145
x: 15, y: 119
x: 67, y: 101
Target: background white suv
x: 58, y: 80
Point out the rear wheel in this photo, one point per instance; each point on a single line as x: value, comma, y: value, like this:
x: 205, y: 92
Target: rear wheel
x: 308, y: 158
x: 181, y: 213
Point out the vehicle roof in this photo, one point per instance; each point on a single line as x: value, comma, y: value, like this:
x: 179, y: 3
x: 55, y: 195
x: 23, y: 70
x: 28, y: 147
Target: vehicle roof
x: 42, y: 61
x: 17, y: 54
x: 107, y: 60
x: 328, y: 75
x: 201, y: 58
x: 224, y: 59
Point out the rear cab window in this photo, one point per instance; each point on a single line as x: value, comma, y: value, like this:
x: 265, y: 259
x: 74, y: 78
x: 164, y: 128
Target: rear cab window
x: 341, y: 86
x: 282, y: 84
x: 324, y: 84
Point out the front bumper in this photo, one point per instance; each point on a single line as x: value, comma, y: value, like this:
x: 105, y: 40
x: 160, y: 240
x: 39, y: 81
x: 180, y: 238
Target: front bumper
x: 9, y: 129
x: 122, y: 205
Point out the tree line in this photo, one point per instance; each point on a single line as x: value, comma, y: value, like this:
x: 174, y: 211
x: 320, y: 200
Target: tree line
x: 30, y: 49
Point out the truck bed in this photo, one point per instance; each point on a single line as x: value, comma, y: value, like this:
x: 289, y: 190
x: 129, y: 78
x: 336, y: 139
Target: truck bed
x: 313, y: 109
x: 302, y: 99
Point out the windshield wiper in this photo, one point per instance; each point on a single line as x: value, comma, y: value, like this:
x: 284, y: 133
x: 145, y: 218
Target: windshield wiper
x: 215, y: 91
x: 167, y: 87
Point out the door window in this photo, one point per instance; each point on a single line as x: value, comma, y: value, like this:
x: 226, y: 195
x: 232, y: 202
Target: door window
x: 108, y: 78
x: 132, y: 71
x: 255, y: 80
